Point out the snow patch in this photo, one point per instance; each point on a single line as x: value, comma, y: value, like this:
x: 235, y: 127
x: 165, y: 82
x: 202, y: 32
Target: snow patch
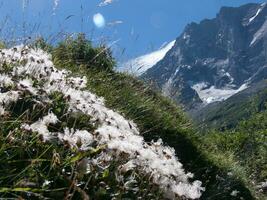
x: 257, y: 13
x: 210, y: 94
x: 229, y: 76
x: 186, y: 37
x: 259, y: 34
x: 223, y: 73
x: 141, y: 64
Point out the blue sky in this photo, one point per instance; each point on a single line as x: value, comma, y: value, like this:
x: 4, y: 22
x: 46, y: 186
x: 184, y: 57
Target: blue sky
x: 143, y: 25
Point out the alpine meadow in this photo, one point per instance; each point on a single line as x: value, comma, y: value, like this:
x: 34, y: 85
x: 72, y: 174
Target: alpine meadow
x: 87, y: 112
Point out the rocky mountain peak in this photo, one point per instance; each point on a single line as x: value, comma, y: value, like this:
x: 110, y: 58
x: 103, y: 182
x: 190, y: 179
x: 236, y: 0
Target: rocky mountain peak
x: 216, y: 58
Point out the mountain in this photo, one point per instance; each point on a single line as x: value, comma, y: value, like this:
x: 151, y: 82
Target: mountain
x: 216, y: 58
x: 237, y: 108
x: 79, y: 129
x: 139, y: 65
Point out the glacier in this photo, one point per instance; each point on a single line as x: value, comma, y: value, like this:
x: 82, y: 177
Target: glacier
x: 212, y: 94
x: 140, y: 65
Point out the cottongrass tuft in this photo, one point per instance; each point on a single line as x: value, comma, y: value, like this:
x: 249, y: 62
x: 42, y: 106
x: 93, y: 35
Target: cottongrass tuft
x: 118, y: 136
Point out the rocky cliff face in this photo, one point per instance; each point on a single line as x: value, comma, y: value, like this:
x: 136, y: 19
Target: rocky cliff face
x: 216, y: 58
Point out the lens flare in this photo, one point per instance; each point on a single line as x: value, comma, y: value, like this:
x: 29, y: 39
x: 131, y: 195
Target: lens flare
x: 99, y: 20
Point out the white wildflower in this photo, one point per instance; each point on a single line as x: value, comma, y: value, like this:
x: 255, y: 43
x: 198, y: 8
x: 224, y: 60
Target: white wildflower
x: 2, y: 111
x: 77, y: 138
x: 234, y: 193
x: 46, y: 183
x: 5, y: 81
x: 27, y: 84
x: 119, y: 136
x: 7, y: 98
x: 77, y: 82
x: 41, y: 126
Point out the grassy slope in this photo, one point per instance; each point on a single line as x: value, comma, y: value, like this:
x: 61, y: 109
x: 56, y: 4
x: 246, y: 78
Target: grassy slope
x: 26, y: 163
x: 244, y: 148
x: 235, y: 132
x: 32, y: 169
x: 228, y: 114
x: 158, y: 117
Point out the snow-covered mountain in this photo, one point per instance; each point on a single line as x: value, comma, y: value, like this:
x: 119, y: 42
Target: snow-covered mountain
x: 215, y: 59
x: 139, y: 65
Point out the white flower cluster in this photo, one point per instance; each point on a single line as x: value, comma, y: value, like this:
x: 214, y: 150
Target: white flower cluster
x: 6, y: 98
x: 118, y: 135
x: 41, y: 126
x: 5, y: 81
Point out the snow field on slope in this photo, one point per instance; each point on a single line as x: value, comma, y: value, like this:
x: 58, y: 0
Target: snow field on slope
x: 213, y: 94
x: 140, y: 65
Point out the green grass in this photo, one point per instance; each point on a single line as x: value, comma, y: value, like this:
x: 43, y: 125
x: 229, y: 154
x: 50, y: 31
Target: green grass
x: 247, y: 146
x: 227, y: 115
x: 158, y: 117
x: 33, y: 169
x: 26, y: 161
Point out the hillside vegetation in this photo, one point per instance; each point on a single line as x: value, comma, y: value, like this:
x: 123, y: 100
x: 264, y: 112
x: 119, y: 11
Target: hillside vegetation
x: 227, y: 114
x: 236, y: 128
x: 51, y: 135
x: 245, y: 145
